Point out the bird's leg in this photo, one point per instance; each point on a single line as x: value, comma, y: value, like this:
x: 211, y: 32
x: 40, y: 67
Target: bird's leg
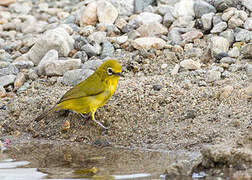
x: 84, y: 116
x: 100, y: 124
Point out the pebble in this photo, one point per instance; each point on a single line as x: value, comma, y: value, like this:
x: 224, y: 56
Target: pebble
x: 168, y: 18
x: 81, y: 55
x: 107, y: 50
x: 229, y: 35
x: 190, y: 64
x: 97, y: 37
x: 242, y: 35
x: 32, y: 74
x: 141, y: 4
x: 124, y: 8
x: 75, y: 76
x: 23, y: 64
x: 202, y: 7
x: 148, y: 43
x: 234, y: 52
x: 92, y: 50
x: 218, y: 45
x: 228, y: 14
x: 11, y: 69
x: 2, y: 92
x: 212, y: 76
x: 248, y: 24
x: 106, y: 12
x: 246, y: 51
x: 207, y: 21
x: 89, y: 14
x: 145, y: 18
x: 19, y: 81
x: 118, y: 39
x: 57, y: 39
x: 227, y: 60
x: 7, y: 80
x: 50, y: 56
x: 191, y: 36
x: 65, y: 126
x: 152, y: 29
x: 7, y: 2
x: 248, y: 68
x: 219, y: 27
x: 59, y: 67
x: 175, y: 70
x: 4, y: 64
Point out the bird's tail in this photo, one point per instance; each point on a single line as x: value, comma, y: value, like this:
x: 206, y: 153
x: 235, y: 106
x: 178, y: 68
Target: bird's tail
x: 45, y: 113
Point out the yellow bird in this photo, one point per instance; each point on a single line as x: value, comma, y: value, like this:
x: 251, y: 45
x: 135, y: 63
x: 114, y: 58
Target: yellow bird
x: 91, y: 93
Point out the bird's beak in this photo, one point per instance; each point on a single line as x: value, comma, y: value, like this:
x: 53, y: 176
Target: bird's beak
x: 119, y: 74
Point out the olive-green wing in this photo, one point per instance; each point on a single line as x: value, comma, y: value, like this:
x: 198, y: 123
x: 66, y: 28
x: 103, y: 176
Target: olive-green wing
x: 89, y: 87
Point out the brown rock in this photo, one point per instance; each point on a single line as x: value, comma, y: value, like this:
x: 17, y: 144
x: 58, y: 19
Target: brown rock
x: 6, y: 2
x: 191, y: 36
x: 19, y: 81
x: 65, y: 126
x: 2, y: 92
x: 152, y: 29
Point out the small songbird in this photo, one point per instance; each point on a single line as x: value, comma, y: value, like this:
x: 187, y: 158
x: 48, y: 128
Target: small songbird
x: 91, y: 93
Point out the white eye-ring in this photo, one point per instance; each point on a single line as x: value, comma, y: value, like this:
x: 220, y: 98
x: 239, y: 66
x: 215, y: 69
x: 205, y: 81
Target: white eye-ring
x: 109, y: 71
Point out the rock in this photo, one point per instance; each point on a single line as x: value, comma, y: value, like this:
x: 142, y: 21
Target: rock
x: 219, y: 27
x: 2, y: 92
x: 234, y: 22
x: 89, y: 14
x: 107, y: 50
x: 92, y: 50
x: 207, y: 21
x: 221, y: 5
x: 19, y: 81
x: 164, y: 66
x: 4, y: 64
x: 248, y: 68
x: 92, y: 65
x: 190, y: 64
x: 191, y: 36
x: 239, y: 175
x: 55, y: 68
x: 242, y: 15
x: 57, y: 39
x: 79, y: 42
x: 50, y: 56
x: 184, y: 22
x: 168, y: 18
x: 227, y: 60
x: 174, y: 36
x: 242, y: 35
x: 218, y: 45
x: 11, y: 69
x: 119, y: 39
x: 20, y: 8
x: 133, y: 34
x: 247, y: 4
x: 6, y: 2
x: 87, y: 30
x: 148, y: 42
x: 7, y: 80
x: 193, y: 52
x: 32, y: 74
x: 246, y: 51
x: 229, y: 35
x: 144, y: 18
x: 5, y: 56
x: 228, y: 14
x: 125, y: 8
x: 234, y: 52
x: 184, y: 8
x: 248, y: 24
x: 212, y: 76
x: 106, y: 12
x: 97, y: 37
x: 152, y: 29
x: 201, y: 7
x: 120, y: 23
x: 175, y: 70
x: 141, y: 4
x: 75, y: 76
x: 23, y: 64
x: 65, y: 126
x: 81, y: 55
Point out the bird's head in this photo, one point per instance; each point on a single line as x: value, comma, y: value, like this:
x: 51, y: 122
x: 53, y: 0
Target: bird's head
x: 110, y: 70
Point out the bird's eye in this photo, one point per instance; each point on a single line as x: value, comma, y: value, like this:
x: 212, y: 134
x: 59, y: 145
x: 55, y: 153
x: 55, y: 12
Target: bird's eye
x: 109, y: 71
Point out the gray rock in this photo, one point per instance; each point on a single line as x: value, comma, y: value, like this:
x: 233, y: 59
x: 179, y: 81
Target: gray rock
x: 217, y: 19
x: 57, y: 39
x: 227, y: 60
x: 97, y: 37
x: 247, y: 50
x: 107, y: 49
x: 4, y: 56
x: 93, y: 65
x: 193, y: 52
x: 87, y: 30
x: 4, y: 64
x: 201, y: 7
x: 221, y: 5
x: 248, y: 68
x: 23, y: 64
x: 92, y: 50
x: 75, y: 76
x: 174, y: 36
x: 218, y: 45
x: 247, y: 4
x: 20, y: 8
x: 234, y: 52
x: 7, y: 80
x: 50, y: 56
x: 141, y: 4
x: 143, y: 18
x: 248, y: 24
x: 212, y: 76
x: 226, y: 74
x: 133, y: 34
x: 79, y: 41
x: 235, y: 67
x: 24, y: 87
x: 207, y: 21
x: 229, y: 35
x: 124, y: 8
x: 81, y: 55
x: 58, y: 68
x: 168, y: 18
x: 163, y: 9
x: 32, y: 74
x: 217, y: 68
x: 11, y: 69
x: 242, y: 35
x: 219, y: 27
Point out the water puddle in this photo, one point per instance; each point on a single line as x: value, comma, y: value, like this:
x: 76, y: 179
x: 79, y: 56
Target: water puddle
x: 57, y: 160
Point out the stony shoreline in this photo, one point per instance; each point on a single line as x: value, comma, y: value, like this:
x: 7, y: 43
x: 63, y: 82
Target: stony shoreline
x: 188, y: 73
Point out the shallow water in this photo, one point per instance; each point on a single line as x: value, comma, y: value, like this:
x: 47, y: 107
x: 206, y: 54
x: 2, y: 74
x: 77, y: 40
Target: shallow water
x: 57, y: 160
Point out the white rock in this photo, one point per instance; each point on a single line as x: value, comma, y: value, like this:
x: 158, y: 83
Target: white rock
x: 98, y: 37
x: 218, y: 45
x: 152, y: 29
x: 207, y: 21
x: 89, y: 14
x: 175, y: 70
x: 147, y: 17
x: 106, y: 12
x: 119, y: 39
x: 212, y: 76
x: 234, y: 52
x: 148, y: 43
x: 184, y: 8
x: 190, y: 64
x: 56, y: 68
x: 125, y: 8
x: 219, y: 27
x: 247, y: 4
x: 248, y: 24
x: 57, y: 39
x: 7, y: 80
x: 50, y: 56
x: 228, y: 14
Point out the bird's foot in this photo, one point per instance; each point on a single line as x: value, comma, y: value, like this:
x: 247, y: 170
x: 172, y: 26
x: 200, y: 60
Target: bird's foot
x: 85, y: 117
x: 100, y: 124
